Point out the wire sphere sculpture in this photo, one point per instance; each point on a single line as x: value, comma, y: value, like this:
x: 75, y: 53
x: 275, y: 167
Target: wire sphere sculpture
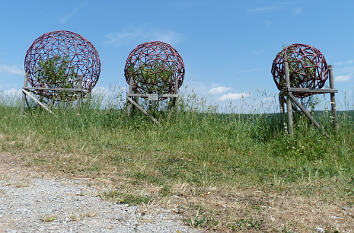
x: 307, y: 68
x: 154, y: 68
x: 60, y: 59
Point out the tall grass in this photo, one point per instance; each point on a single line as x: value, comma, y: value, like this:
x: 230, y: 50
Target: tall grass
x: 201, y: 148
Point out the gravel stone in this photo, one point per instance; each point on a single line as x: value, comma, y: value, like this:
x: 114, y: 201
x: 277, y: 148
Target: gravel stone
x: 49, y: 205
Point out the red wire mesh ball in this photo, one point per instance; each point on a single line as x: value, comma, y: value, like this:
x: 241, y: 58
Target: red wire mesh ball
x: 307, y: 68
x: 154, y: 67
x: 57, y: 59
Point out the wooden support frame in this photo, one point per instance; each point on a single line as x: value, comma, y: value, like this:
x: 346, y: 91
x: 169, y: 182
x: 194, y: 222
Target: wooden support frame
x: 133, y: 101
x: 26, y: 92
x: 288, y: 101
x: 173, y: 105
x: 333, y: 100
x: 287, y: 94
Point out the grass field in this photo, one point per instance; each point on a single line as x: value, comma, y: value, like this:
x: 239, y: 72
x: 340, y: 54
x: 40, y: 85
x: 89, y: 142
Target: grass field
x: 222, y: 172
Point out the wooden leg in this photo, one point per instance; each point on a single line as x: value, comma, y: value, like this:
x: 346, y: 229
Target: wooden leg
x: 88, y: 99
x: 142, y: 110
x: 334, y: 113
x: 29, y: 94
x: 333, y: 100
x: 176, y: 108
x: 23, y: 100
x: 288, y: 100
x: 130, y: 106
x: 24, y: 97
x: 282, y: 108
x: 79, y: 96
x: 290, y: 116
x: 308, y: 114
x: 172, y: 108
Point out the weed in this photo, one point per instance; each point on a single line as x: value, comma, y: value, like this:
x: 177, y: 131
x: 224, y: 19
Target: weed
x: 124, y: 198
x: 165, y: 191
x: 249, y: 224
x: 74, y: 218
x: 48, y: 218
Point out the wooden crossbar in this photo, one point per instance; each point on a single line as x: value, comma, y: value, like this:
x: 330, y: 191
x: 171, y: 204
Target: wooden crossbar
x: 308, y: 90
x: 307, y: 114
x: 143, y: 110
x: 37, y: 101
x: 288, y: 91
x: 55, y: 89
x: 149, y: 95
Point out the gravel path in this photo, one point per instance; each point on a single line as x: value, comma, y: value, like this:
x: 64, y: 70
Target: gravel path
x: 50, y: 205
x: 31, y: 200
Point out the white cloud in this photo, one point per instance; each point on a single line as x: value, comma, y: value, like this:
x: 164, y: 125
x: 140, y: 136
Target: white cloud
x: 247, y: 70
x: 168, y: 37
x: 14, y: 69
x: 298, y: 11
x: 218, y: 90
x: 234, y: 96
x: 270, y: 8
x: 257, y: 52
x: 102, y: 91
x: 342, y: 63
x: 263, y: 9
x: 11, y: 92
x: 119, y: 38
x: 343, y: 78
x: 65, y: 19
x: 269, y: 98
x: 268, y: 23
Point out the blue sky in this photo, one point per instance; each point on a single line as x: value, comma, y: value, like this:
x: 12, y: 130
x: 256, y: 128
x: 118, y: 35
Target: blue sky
x: 227, y: 46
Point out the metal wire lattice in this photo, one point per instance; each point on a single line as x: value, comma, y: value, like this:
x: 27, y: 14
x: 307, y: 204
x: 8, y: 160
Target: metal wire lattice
x: 59, y: 59
x: 154, y: 67
x: 307, y: 68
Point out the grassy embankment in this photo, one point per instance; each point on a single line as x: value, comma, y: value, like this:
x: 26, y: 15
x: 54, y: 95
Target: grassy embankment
x: 232, y: 172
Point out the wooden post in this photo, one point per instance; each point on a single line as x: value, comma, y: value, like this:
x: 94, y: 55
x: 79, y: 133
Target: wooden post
x: 79, y: 96
x: 282, y: 108
x: 22, y: 111
x: 88, y: 101
x: 173, y: 106
x: 131, y: 91
x: 333, y: 100
x: 288, y: 100
x: 136, y: 98
x: 175, y: 99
